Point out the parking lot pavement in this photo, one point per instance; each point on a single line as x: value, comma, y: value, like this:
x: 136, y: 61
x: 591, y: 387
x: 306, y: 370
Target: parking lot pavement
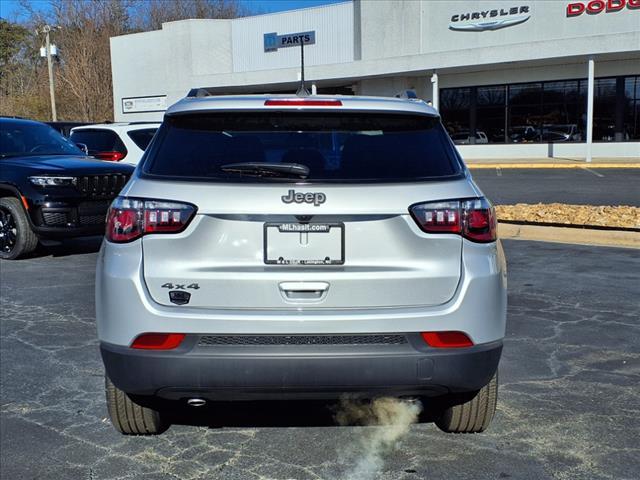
x: 569, y: 405
x: 581, y: 186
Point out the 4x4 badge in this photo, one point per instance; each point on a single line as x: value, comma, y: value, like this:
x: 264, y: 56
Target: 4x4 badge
x: 317, y: 198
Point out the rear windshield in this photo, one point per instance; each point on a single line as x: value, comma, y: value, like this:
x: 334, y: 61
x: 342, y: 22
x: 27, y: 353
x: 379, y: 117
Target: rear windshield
x: 334, y: 147
x: 143, y: 137
x: 99, y: 140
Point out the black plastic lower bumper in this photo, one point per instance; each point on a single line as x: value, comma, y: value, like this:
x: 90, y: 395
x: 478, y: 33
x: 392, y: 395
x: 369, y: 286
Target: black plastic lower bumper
x: 69, y: 218
x: 234, y: 373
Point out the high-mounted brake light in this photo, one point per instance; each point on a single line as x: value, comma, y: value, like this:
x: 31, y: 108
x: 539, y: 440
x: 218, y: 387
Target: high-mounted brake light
x: 131, y: 218
x: 302, y: 102
x: 447, y: 339
x: 158, y: 341
x: 110, y: 156
x: 474, y: 219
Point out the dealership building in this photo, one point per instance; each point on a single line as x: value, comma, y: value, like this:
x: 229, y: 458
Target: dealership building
x: 511, y: 79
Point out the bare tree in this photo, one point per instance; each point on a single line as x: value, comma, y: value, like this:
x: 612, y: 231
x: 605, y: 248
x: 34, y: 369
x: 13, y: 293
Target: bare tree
x: 151, y: 14
x: 84, y: 73
x: 83, y: 81
x: 21, y: 89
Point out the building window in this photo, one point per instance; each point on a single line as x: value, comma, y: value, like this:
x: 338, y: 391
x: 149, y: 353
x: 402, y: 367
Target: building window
x: 604, y: 110
x: 631, y: 123
x: 542, y: 111
x: 491, y: 120
x: 563, y: 111
x: 457, y: 103
x: 525, y: 112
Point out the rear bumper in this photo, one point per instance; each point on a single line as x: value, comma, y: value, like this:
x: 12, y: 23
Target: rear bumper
x: 262, y: 372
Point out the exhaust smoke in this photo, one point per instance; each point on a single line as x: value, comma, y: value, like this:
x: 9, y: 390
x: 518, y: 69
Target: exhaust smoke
x: 390, y: 419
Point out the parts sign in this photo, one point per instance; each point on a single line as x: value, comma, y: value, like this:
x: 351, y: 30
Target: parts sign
x: 273, y: 41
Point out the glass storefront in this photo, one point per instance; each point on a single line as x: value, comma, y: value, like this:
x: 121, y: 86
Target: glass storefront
x: 553, y: 111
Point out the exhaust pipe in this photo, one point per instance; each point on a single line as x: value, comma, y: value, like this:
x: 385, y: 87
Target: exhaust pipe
x: 196, y: 402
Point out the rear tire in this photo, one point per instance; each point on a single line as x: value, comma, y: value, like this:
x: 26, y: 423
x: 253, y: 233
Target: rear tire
x: 471, y: 415
x: 16, y: 237
x: 130, y: 418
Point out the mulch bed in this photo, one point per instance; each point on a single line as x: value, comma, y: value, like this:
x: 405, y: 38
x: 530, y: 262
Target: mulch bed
x: 558, y: 213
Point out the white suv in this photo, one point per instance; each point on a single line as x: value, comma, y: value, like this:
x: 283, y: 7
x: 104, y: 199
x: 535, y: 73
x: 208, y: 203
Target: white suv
x: 116, y: 142
x: 278, y: 246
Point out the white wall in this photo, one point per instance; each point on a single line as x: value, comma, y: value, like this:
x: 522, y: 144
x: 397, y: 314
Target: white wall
x: 391, y: 28
x: 628, y: 150
x: 138, y: 67
x: 333, y: 25
x: 401, y: 43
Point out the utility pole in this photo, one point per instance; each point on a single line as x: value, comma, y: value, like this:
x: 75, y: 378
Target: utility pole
x: 46, y: 29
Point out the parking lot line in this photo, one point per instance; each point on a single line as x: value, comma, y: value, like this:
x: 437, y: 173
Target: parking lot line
x: 591, y: 171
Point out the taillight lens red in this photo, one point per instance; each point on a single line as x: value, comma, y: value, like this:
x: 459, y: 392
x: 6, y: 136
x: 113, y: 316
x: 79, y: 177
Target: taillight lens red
x: 131, y: 218
x: 110, y: 156
x: 479, y: 221
x: 302, y: 102
x: 158, y: 341
x: 473, y: 219
x: 447, y: 339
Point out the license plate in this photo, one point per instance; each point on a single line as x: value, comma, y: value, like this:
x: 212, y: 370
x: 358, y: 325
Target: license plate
x: 304, y: 243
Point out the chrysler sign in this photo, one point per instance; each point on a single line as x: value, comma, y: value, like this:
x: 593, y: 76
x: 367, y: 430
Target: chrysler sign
x: 490, y: 19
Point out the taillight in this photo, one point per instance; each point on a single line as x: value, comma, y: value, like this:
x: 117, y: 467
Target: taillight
x: 302, y: 102
x: 110, y: 156
x: 479, y: 221
x: 158, y: 341
x: 131, y: 218
x: 474, y: 219
x: 447, y: 339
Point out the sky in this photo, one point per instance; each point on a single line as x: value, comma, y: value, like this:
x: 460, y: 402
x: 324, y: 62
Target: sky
x: 10, y: 9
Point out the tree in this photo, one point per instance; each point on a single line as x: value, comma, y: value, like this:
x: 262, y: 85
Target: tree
x: 83, y: 76
x: 19, y: 72
x: 151, y: 14
x: 12, y: 37
x: 82, y: 71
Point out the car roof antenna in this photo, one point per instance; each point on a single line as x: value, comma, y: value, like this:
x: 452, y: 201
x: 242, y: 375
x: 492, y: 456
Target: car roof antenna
x: 302, y: 89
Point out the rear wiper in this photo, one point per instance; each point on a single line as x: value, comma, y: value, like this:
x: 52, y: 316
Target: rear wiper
x: 260, y: 169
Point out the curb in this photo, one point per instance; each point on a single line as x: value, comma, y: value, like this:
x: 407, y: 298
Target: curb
x: 578, y: 236
x: 473, y: 166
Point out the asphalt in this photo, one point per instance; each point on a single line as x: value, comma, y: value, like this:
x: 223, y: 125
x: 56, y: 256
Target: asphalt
x: 581, y: 186
x: 569, y: 404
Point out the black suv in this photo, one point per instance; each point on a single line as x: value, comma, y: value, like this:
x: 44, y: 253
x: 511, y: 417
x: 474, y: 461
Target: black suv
x: 49, y: 189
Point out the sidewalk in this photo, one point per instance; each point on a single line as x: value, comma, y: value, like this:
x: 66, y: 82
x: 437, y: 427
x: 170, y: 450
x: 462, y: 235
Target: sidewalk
x: 545, y: 162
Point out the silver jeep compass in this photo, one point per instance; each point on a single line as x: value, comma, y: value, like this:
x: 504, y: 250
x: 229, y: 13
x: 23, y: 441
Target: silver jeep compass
x: 300, y: 247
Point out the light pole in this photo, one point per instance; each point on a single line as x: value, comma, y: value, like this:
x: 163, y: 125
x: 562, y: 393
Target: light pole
x: 46, y: 30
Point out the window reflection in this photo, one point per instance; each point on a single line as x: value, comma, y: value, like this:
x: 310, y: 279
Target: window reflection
x: 457, y: 103
x: 492, y: 114
x: 552, y: 111
x: 631, y: 108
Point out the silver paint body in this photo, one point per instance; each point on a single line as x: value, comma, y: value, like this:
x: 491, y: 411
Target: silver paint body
x: 395, y: 277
